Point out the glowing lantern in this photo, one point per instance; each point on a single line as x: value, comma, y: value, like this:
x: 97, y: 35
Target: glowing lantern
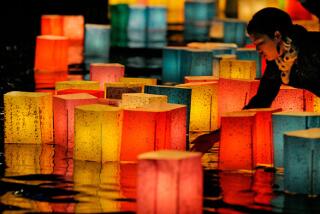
x: 296, y: 10
x: 52, y: 25
x: 188, y: 79
x: 63, y: 108
x: 97, y: 132
x: 175, y: 11
x: 96, y: 93
x: 115, y: 90
x: 237, y: 69
x: 247, y: 8
x: 144, y: 81
x: 111, y: 102
x: 196, y: 62
x: 28, y: 117
x: 234, y: 31
x: 301, y: 161
x: 204, y: 106
x: 73, y: 28
x: 289, y: 99
x: 228, y: 48
x: 235, y: 94
x: 171, y: 64
x: 137, y: 26
x: 290, y: 121
x: 263, y: 148
x: 238, y: 135
x: 96, y: 43
x: 51, y: 54
x: 47, y: 80
x: 160, y: 126
x: 106, y: 72
x: 175, y: 95
x: 170, y: 182
x: 134, y: 100
x: 216, y: 62
x: 119, y: 24
x: 86, y: 85
x: 251, y: 54
x: 156, y: 26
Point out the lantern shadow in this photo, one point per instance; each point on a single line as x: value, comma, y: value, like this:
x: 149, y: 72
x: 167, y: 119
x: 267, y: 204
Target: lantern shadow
x: 205, y: 142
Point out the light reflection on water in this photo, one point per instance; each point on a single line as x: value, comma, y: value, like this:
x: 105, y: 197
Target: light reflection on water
x: 46, y: 179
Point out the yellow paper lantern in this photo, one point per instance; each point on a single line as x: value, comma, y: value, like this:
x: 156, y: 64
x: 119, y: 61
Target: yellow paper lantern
x: 134, y: 100
x: 115, y: 90
x: 77, y: 84
x: 97, y: 133
x: 170, y: 182
x: 216, y: 62
x: 247, y: 8
x: 238, y: 69
x: 28, y: 117
x: 204, y: 106
x: 210, y: 45
x: 188, y: 79
x: 144, y: 81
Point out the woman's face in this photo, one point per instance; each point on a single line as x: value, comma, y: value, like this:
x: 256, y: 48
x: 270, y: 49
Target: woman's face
x: 266, y: 46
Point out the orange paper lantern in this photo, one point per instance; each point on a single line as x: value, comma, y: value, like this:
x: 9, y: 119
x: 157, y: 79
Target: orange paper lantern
x: 52, y: 25
x: 188, y: 79
x: 170, y: 182
x: 106, y: 72
x: 152, y: 127
x: 63, y: 109
x: 290, y: 99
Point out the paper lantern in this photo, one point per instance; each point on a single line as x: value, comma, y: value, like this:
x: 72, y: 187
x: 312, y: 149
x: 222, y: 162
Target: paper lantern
x: 134, y: 100
x: 237, y: 69
x: 96, y: 93
x: 115, y: 90
x: 247, y: 8
x: 171, y: 64
x: 97, y: 40
x: 119, y: 24
x: 213, y: 46
x: 52, y: 25
x: 175, y: 95
x: 63, y: 109
x: 156, y: 26
x: 97, y: 132
x: 296, y: 10
x: 175, y: 11
x: 289, y: 121
x: 196, y: 62
x: 301, y: 162
x: 238, y: 135
x: 289, y: 99
x: 28, y: 117
x: 111, y: 102
x: 46, y: 80
x: 188, y: 79
x: 85, y: 85
x: 144, y: 81
x: 160, y: 126
x: 235, y: 94
x: 169, y: 182
x: 137, y: 25
x: 106, y: 72
x: 97, y: 176
x: 204, y: 106
x: 51, y: 54
x: 263, y: 147
x: 234, y: 31
x: 216, y: 62
x: 251, y: 54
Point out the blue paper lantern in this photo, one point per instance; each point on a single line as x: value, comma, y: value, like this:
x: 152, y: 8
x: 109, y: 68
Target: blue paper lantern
x: 156, y: 26
x: 175, y: 95
x: 137, y: 25
x: 234, y: 31
x: 302, y: 161
x: 250, y: 54
x: 197, y: 62
x: 119, y: 24
x: 171, y: 64
x: 290, y: 121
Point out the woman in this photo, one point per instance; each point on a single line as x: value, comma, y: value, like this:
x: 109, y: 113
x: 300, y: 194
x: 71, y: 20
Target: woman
x: 292, y: 54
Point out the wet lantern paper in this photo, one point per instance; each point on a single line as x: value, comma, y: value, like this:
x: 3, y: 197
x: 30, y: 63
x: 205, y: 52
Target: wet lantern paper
x: 160, y: 126
x: 134, y: 100
x: 170, y: 182
x: 63, y: 110
x: 106, y: 73
x: 289, y: 121
x: 77, y: 84
x: 204, y: 106
x: 301, y: 161
x: 290, y: 99
x: 97, y: 133
x: 28, y: 117
x: 238, y: 135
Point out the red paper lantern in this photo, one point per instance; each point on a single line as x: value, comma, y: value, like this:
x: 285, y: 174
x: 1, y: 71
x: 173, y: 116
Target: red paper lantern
x: 96, y: 93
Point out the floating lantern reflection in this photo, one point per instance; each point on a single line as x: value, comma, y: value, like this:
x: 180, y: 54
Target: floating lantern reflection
x: 169, y: 182
x: 97, y: 132
x: 28, y: 117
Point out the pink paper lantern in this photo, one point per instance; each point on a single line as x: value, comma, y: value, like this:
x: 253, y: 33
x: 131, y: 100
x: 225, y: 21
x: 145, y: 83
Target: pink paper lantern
x: 106, y: 72
x: 63, y: 109
x: 152, y: 127
x: 170, y: 182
